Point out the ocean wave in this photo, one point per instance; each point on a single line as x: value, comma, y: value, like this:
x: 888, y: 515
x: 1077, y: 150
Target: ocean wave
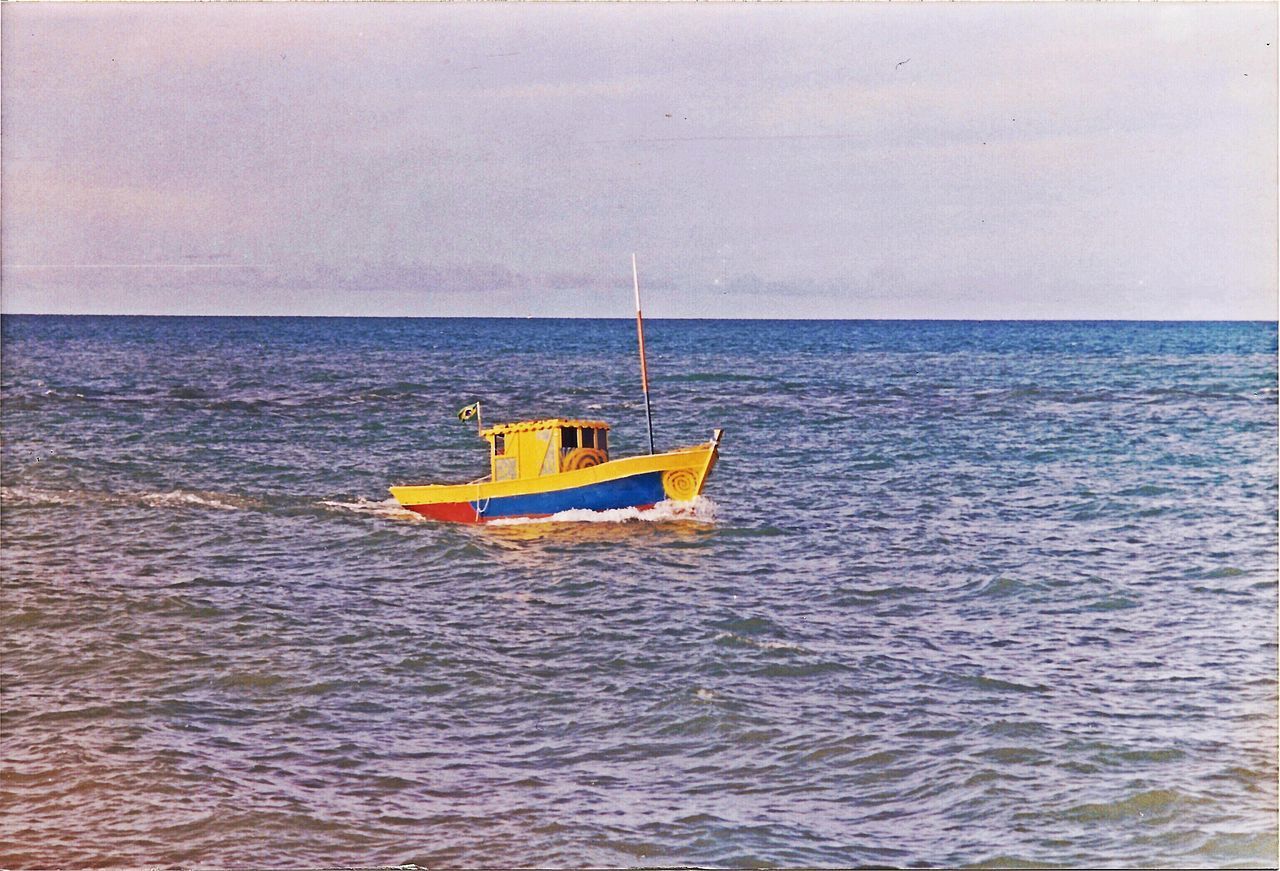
x: 32, y: 497
x: 1148, y: 807
x: 40, y: 497
x: 730, y: 639
x: 189, y: 398
x: 712, y: 377
x: 388, y: 508
x: 200, y: 499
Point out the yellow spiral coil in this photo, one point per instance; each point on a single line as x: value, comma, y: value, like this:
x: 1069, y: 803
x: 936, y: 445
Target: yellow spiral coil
x: 582, y: 458
x: 680, y: 485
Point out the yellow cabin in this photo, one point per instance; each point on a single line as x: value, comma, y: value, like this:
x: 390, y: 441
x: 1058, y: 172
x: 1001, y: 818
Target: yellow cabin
x: 535, y: 448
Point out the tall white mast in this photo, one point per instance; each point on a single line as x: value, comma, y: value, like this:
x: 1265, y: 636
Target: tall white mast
x: 644, y: 368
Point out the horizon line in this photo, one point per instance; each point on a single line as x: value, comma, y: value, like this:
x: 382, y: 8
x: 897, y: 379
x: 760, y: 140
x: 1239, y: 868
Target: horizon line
x: 628, y: 319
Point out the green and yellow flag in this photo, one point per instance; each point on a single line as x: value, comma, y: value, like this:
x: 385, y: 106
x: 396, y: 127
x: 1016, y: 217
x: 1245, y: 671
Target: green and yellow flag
x: 469, y: 412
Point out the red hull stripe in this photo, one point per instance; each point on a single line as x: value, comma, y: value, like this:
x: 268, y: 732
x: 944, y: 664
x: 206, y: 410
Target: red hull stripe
x: 452, y: 512
x: 465, y: 512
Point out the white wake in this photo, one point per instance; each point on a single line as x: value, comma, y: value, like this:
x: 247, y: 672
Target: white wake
x: 699, y: 510
x: 187, y: 498
x: 388, y: 507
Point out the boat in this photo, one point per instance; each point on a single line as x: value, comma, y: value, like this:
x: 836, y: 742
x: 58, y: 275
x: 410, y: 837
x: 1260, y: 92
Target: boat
x: 539, y: 468
x: 543, y: 467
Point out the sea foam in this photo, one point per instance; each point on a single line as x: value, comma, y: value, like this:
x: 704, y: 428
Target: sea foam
x: 700, y: 509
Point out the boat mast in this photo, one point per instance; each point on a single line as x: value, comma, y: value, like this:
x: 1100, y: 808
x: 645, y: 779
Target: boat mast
x: 644, y: 368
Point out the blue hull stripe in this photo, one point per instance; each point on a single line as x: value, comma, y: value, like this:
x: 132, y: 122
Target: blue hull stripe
x: 642, y: 489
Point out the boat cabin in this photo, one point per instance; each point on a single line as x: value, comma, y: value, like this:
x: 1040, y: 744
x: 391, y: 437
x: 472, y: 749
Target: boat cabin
x: 533, y: 448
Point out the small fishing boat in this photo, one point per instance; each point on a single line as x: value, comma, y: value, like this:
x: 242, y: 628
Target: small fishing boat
x: 538, y: 468
x: 543, y: 467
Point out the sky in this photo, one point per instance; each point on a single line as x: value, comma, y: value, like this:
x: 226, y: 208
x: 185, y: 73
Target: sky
x: 842, y: 160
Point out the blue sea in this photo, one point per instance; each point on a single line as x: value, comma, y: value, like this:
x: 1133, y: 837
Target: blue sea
x: 957, y: 593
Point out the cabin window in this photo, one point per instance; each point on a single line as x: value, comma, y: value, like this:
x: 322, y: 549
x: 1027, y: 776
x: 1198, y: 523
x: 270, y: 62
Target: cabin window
x: 568, y: 437
x: 588, y: 438
x: 499, y: 445
x: 602, y: 440
x: 506, y: 469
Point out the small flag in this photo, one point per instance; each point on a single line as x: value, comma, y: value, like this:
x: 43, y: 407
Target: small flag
x: 469, y: 412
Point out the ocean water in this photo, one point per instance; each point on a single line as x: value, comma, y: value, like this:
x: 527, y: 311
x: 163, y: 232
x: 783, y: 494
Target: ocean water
x: 957, y: 593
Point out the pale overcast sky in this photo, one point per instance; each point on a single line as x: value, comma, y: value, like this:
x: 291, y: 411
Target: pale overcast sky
x: 808, y: 160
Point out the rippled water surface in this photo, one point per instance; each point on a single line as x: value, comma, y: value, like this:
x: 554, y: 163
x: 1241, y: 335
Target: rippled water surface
x: 958, y: 593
